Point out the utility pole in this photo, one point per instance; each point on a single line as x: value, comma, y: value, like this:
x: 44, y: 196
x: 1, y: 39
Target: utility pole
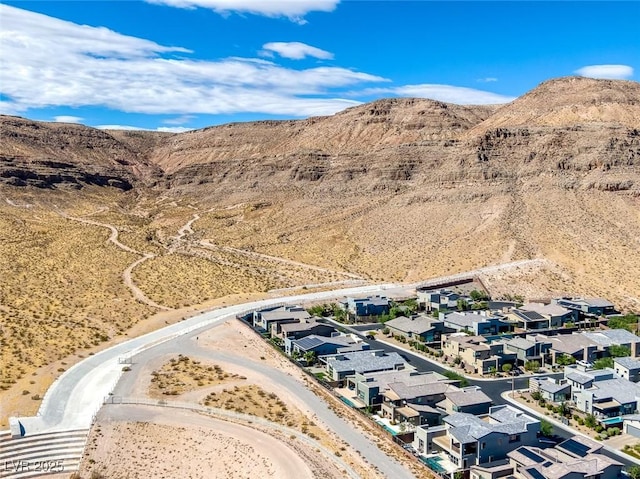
x: 513, y: 387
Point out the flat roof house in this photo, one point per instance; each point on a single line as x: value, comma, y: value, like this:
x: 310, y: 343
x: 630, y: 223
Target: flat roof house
x: 531, y: 348
x: 369, y: 306
x: 437, y: 299
x: 322, y: 345
x: 421, y: 327
x: 285, y: 314
x: 587, y: 306
x: 611, y: 337
x: 608, y: 400
x: 550, y: 389
x: 575, y: 458
x: 476, y: 354
x: 369, y: 387
x: 468, y: 440
x: 580, y: 347
x: 414, y: 403
x: 339, y: 366
x: 540, y: 315
x: 300, y: 329
x: 470, y: 400
x: 477, y: 322
x: 627, y: 368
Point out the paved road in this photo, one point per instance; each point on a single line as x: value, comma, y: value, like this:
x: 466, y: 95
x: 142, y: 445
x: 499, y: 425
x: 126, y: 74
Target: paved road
x: 73, y: 400
x: 187, y: 346
x: 495, y: 389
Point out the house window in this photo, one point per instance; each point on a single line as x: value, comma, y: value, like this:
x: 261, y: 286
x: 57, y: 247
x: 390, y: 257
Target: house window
x: 514, y: 438
x: 483, y: 445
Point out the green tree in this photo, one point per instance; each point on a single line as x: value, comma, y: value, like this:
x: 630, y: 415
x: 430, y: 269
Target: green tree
x: 564, y: 409
x: 310, y: 357
x: 463, y: 305
x: 546, y: 428
x: 532, y: 366
x: 536, y: 395
x: 628, y: 322
x: 603, y: 363
x: 565, y: 360
x: 493, y: 370
x: 295, y: 354
x: 507, y: 367
x: 618, y: 351
x: 590, y: 421
x: 478, y: 295
x: 634, y: 472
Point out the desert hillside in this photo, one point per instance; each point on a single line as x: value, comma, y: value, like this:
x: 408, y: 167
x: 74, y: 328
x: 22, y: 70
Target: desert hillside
x: 103, y: 230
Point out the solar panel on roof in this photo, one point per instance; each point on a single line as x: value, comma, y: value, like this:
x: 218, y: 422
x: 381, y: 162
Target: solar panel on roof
x: 574, y: 447
x: 531, y: 455
x: 535, y: 474
x: 308, y: 342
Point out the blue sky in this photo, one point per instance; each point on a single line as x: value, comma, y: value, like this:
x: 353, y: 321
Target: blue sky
x: 180, y: 64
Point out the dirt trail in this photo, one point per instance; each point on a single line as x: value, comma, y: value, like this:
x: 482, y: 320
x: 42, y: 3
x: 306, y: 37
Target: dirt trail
x: 229, y: 249
x: 126, y: 274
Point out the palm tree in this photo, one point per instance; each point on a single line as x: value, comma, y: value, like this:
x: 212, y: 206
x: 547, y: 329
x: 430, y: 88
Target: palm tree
x: 310, y: 357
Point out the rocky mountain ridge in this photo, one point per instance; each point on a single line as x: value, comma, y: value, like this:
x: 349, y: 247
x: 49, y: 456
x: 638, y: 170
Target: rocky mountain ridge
x: 583, y: 133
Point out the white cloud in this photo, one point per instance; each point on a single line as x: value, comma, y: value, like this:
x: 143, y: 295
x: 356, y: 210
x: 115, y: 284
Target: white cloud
x: 59, y: 63
x: 296, y: 50
x: 173, y: 129
x: 67, y: 119
x: 487, y: 80
x: 163, y: 129
x: 446, y: 93
x: 608, y: 72
x: 295, y: 10
x: 181, y: 120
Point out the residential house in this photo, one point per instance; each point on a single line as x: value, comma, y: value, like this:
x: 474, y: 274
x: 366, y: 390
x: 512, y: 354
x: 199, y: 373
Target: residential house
x: 470, y: 400
x: 300, y: 329
x: 475, y: 353
x: 322, y: 345
x: 531, y: 348
x: 533, y: 316
x: 580, y: 377
x: 550, y: 389
x: 368, y: 387
x: 437, y: 299
x: 627, y: 368
x: 587, y: 307
x: 631, y: 425
x: 414, y: 403
x: 575, y: 458
x: 340, y: 366
x: 369, y: 306
x: 468, y: 440
x: 285, y: 314
x: 576, y: 345
x: 424, y: 328
x: 610, y: 337
x: 608, y: 400
x: 476, y: 322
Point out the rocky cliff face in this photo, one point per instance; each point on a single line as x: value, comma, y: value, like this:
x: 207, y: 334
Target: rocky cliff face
x: 579, y: 132
x: 51, y: 155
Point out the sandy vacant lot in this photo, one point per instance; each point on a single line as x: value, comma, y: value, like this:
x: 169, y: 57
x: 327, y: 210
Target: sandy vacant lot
x: 143, y: 442
x: 151, y: 441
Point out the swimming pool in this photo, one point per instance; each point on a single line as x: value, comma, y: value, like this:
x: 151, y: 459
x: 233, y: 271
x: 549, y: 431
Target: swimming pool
x: 433, y: 463
x: 612, y: 420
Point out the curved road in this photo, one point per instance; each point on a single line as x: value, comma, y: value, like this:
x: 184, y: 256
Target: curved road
x: 74, y: 399
x: 187, y: 346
